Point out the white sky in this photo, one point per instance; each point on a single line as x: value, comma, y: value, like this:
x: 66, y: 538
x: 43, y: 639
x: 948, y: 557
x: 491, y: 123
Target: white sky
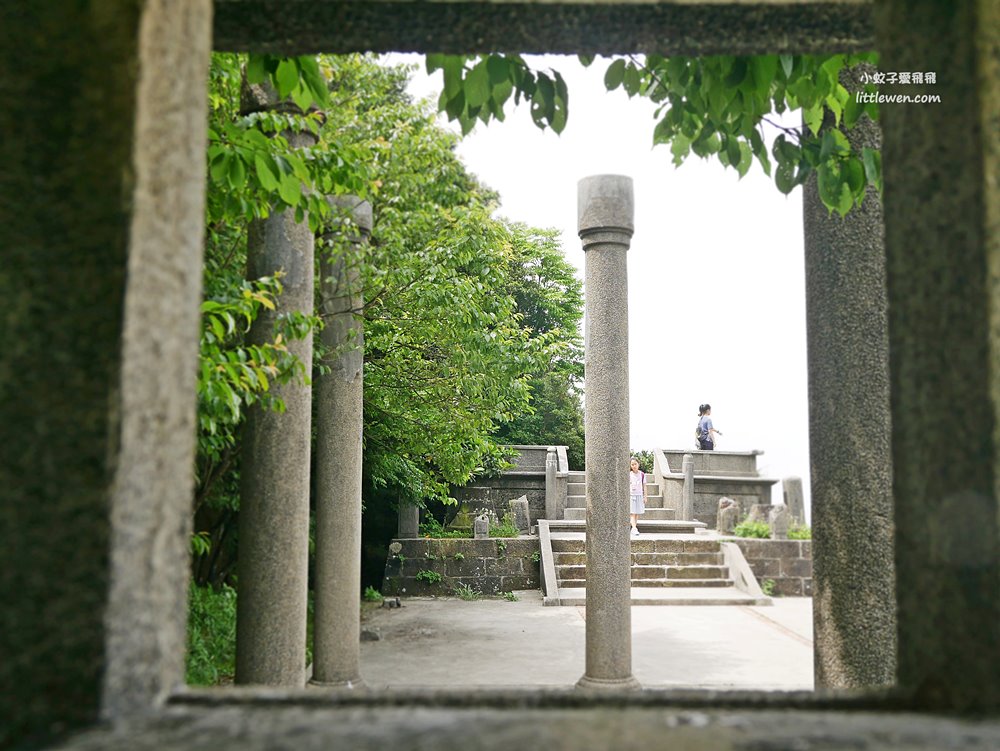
x: 716, y: 278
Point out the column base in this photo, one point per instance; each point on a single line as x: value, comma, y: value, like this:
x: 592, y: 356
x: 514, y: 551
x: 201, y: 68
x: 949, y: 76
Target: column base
x: 355, y: 684
x: 608, y: 685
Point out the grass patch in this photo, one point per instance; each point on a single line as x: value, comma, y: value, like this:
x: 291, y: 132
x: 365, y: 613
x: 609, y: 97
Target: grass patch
x: 466, y: 592
x: 211, y: 654
x: 760, y: 530
x: 799, y: 532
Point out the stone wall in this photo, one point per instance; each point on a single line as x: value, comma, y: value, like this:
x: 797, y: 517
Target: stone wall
x: 494, y: 492
x: 492, y: 566
x: 787, y: 562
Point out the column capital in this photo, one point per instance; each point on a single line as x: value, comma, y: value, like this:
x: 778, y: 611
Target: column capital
x: 605, y: 209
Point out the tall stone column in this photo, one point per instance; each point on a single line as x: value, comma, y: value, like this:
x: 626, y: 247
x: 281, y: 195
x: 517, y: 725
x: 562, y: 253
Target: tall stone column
x: 274, y: 482
x: 942, y: 192
x: 605, y: 221
x: 849, y: 431
x: 339, y: 427
x: 687, y: 502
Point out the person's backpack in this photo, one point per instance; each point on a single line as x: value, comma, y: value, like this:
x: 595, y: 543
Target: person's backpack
x: 698, y: 436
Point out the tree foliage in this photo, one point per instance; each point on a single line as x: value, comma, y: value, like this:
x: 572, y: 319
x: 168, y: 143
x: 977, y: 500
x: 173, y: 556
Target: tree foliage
x: 449, y: 351
x: 707, y: 106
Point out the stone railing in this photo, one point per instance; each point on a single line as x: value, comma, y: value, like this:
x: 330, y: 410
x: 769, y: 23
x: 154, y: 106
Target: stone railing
x: 556, y: 481
x: 788, y: 563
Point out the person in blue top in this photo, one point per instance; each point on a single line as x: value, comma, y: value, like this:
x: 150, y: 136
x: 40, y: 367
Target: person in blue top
x: 706, y: 439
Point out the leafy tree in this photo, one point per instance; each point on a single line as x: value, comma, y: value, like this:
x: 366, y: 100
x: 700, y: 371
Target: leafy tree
x: 708, y: 106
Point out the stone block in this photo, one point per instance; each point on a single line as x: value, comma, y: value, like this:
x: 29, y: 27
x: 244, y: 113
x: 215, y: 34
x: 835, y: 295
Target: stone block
x: 522, y: 520
x: 481, y: 527
x: 779, y: 519
x: 413, y: 548
x: 759, y: 512
x: 511, y: 583
x: 521, y: 546
x: 505, y: 566
x: 788, y: 587
x: 796, y: 567
x: 766, y: 567
x: 467, y: 567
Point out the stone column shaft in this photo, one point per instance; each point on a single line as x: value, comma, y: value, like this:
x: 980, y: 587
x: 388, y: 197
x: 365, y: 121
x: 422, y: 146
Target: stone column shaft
x: 606, y: 209
x: 274, y: 482
x: 849, y: 431
x: 687, y: 503
x: 942, y: 189
x: 339, y: 428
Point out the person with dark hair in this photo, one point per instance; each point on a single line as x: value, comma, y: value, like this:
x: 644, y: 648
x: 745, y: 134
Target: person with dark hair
x: 637, y: 494
x: 706, y: 431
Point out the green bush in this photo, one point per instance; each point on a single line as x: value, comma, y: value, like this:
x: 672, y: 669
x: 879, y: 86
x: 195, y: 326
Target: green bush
x: 372, y: 595
x: 752, y: 529
x: 767, y: 587
x: 510, y: 596
x: 431, y: 577
x: 431, y: 527
x: 797, y: 532
x: 211, y: 655
x: 466, y: 592
x: 505, y: 528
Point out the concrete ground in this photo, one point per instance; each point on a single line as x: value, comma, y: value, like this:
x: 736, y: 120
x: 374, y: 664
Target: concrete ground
x: 495, y: 643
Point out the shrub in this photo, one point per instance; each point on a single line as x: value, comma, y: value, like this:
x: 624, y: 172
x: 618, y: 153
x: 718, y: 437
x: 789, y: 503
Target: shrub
x: 466, y: 592
x: 510, y: 596
x: 431, y: 577
x: 211, y: 655
x: 505, y: 528
x: 799, y: 532
x: 767, y: 587
x: 752, y: 529
x: 372, y: 595
x: 431, y: 527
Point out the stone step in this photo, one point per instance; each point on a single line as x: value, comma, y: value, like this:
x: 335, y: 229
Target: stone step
x: 576, y: 488
x: 576, y: 476
x: 579, y: 513
x: 643, y: 545
x: 578, y: 571
x: 576, y: 501
x: 692, y: 583
x: 648, y: 559
x: 580, y: 501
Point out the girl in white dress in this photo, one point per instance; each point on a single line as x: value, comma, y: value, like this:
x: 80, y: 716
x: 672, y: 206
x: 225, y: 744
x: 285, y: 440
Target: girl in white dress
x: 637, y: 494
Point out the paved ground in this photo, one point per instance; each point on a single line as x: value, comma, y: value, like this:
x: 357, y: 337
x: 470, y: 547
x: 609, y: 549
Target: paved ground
x: 450, y: 643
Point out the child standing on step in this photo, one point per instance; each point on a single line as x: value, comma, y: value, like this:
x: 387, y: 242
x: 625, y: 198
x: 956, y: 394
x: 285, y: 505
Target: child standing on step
x: 637, y: 494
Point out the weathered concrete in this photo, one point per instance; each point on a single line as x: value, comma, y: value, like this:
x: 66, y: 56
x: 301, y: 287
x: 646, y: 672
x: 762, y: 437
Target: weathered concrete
x: 942, y: 193
x: 849, y: 432
x: 339, y: 407
x: 408, y: 520
x: 462, y: 26
x: 605, y: 206
x: 791, y: 490
x: 274, y: 476
x: 687, y: 494
x: 102, y: 182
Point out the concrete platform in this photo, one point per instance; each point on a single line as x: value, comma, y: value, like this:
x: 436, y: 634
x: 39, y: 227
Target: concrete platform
x: 451, y: 643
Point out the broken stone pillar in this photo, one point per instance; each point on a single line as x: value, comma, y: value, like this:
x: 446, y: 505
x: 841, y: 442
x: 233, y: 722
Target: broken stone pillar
x: 339, y: 428
x: 481, y: 527
x: 942, y: 162
x: 687, y: 494
x: 522, y: 518
x: 794, y: 499
x: 849, y: 429
x: 274, y: 479
x: 728, y: 516
x: 408, y: 520
x: 779, y: 520
x: 102, y: 209
x: 759, y: 512
x: 605, y: 220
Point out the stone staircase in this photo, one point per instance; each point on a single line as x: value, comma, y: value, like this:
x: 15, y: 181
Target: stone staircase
x: 655, y: 563
x: 576, y: 501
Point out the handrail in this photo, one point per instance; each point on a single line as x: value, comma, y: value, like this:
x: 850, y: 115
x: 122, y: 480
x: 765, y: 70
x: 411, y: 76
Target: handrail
x: 550, y: 585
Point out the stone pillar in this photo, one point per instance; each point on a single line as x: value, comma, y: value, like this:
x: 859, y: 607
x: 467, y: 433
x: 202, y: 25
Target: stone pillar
x: 101, y: 224
x: 605, y: 213
x: 849, y: 430
x: 551, y: 467
x: 274, y: 483
x: 339, y: 428
x: 687, y: 501
x: 791, y: 488
x: 408, y: 525
x: 942, y: 192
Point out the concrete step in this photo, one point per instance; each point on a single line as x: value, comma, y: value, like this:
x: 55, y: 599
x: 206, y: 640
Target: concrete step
x: 576, y: 476
x: 576, y: 596
x: 654, y: 583
x: 648, y: 559
x: 643, y: 544
x: 575, y: 513
x: 576, y: 488
x: 576, y: 501
x: 653, y: 573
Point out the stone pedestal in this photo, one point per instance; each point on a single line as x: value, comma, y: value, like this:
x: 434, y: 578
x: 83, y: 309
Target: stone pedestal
x: 408, y: 521
x: 606, y: 208
x: 339, y: 427
x: 687, y: 497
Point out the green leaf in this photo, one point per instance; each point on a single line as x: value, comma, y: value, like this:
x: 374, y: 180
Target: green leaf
x: 585, y: 60
x: 813, y: 117
x: 614, y: 75
x: 286, y: 77
x: 854, y: 175
x: 873, y: 167
x: 267, y: 172
x: 498, y: 68
x: 256, y: 72
x: 787, y: 63
x: 763, y: 70
x: 290, y: 189
x: 314, y: 81
x: 784, y: 177
x: 237, y: 173
x: 219, y: 169
x: 477, y: 85
x: 631, y: 80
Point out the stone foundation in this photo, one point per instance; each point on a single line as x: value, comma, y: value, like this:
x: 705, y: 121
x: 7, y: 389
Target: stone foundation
x: 491, y: 567
x: 788, y: 563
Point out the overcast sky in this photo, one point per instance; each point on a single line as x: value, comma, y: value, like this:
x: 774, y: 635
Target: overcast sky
x: 716, y: 281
